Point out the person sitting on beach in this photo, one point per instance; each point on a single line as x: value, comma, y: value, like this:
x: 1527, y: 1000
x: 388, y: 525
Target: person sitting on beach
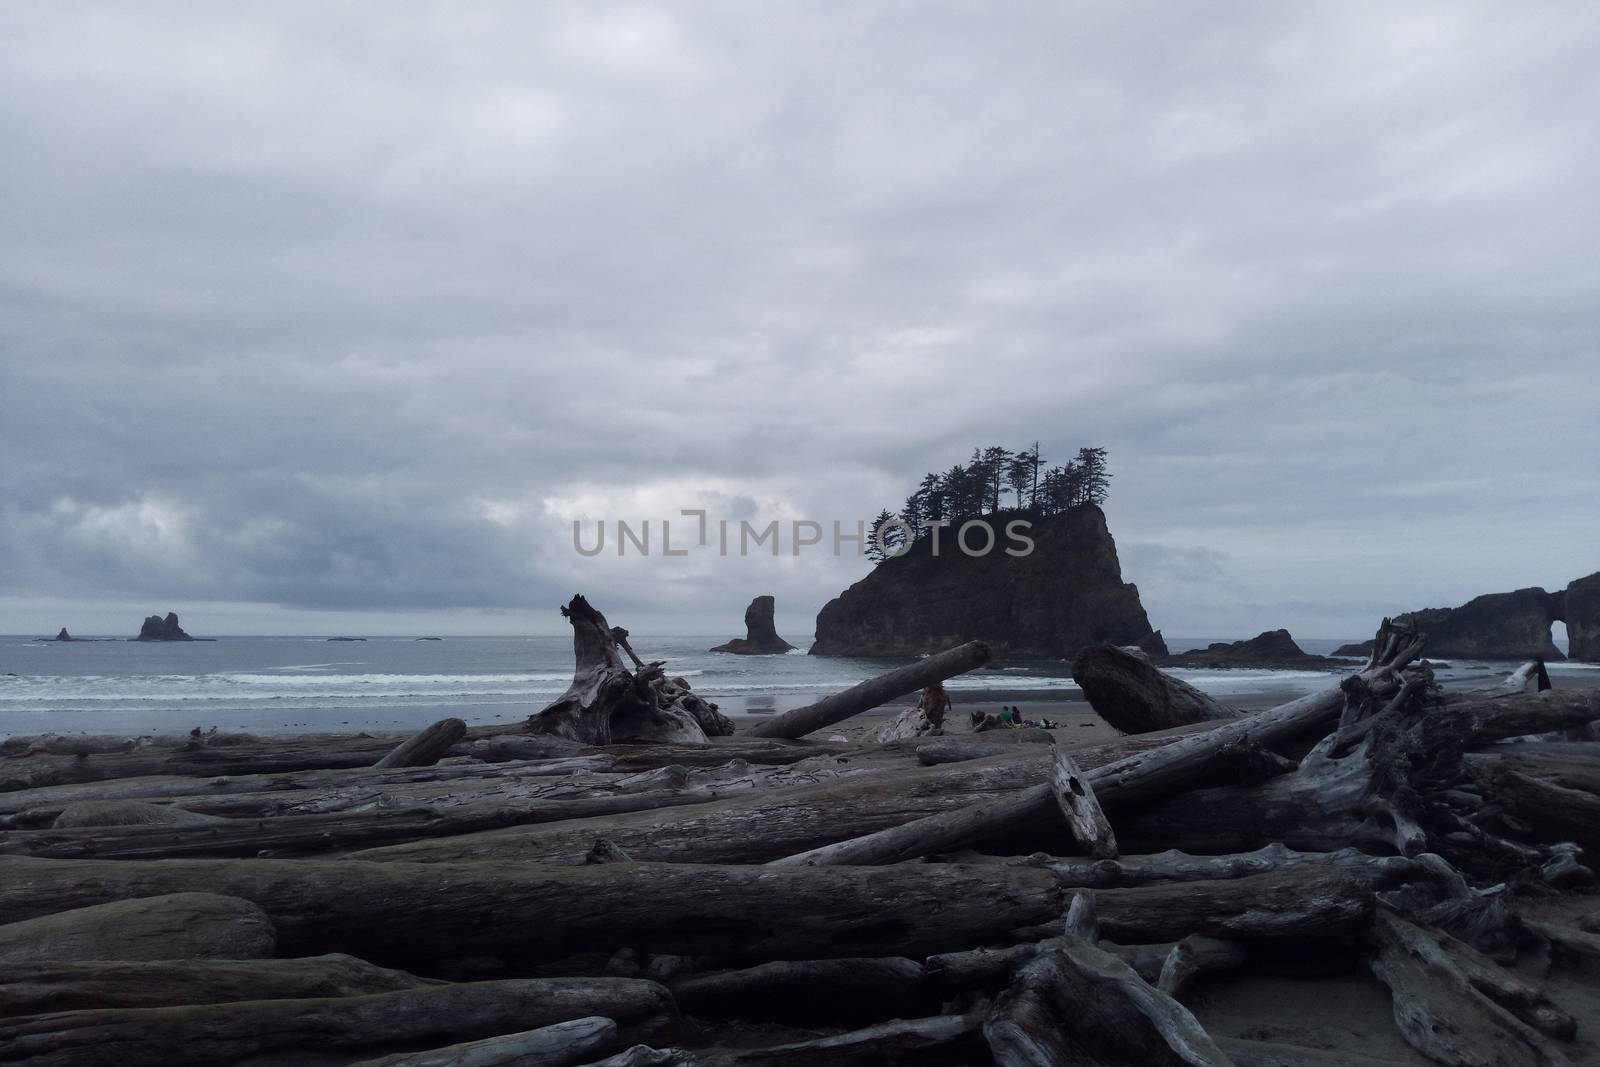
x: 983, y: 720
x: 1005, y: 715
x: 935, y: 703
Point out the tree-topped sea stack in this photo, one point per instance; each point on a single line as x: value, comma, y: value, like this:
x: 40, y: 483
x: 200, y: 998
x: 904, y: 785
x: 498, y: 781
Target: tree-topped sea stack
x: 761, y: 633
x: 1065, y: 594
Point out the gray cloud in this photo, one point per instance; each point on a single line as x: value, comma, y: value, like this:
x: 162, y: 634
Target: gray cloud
x: 328, y: 310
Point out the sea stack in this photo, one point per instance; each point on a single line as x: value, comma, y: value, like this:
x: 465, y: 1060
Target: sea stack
x: 1063, y: 595
x: 156, y: 628
x: 761, y: 635
x: 64, y: 636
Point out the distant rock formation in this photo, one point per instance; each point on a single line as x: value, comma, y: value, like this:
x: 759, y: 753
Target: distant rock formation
x: 347, y: 639
x: 64, y: 636
x: 1065, y: 594
x: 1272, y: 650
x: 761, y: 634
x: 1581, y: 613
x: 1513, y: 625
x: 156, y: 628
x: 430, y: 639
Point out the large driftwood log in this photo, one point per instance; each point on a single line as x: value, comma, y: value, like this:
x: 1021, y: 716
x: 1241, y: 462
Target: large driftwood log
x: 847, y: 991
x: 291, y: 1032
x: 362, y: 819
x: 169, y: 926
x: 40, y: 986
x: 753, y: 828
x: 938, y: 1039
x: 607, y: 702
x: 560, y: 1045
x: 1135, y: 697
x: 1078, y: 804
x: 1134, y: 779
x: 1175, y: 866
x: 1459, y: 1008
x: 426, y: 747
x: 417, y: 914
x: 1305, y: 902
x: 1075, y: 1003
x: 874, y: 692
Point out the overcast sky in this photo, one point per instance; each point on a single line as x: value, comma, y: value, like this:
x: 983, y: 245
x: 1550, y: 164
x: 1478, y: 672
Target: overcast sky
x: 331, y: 318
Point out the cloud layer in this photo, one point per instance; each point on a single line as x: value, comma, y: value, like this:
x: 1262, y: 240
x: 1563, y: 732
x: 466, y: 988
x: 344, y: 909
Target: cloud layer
x: 311, y: 310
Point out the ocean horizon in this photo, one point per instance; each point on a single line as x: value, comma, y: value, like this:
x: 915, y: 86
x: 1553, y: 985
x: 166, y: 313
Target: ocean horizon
x: 312, y: 683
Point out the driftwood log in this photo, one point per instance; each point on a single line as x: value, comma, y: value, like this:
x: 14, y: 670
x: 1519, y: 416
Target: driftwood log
x: 609, y: 702
x: 1130, y: 694
x: 874, y: 692
x: 165, y: 926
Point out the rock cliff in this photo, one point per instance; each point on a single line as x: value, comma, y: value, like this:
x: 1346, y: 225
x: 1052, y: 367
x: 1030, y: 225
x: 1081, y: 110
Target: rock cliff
x: 1065, y: 594
x: 761, y: 634
x: 1581, y: 613
x: 156, y: 628
x: 1513, y: 625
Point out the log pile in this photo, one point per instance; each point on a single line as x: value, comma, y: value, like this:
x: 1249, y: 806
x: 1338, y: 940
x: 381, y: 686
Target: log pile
x: 626, y: 882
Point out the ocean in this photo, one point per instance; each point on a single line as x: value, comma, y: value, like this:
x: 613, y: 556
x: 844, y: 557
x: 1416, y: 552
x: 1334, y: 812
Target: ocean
x: 308, y: 684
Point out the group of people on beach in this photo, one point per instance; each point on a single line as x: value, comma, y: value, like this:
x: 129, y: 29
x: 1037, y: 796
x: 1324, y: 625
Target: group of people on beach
x: 935, y: 704
x: 1008, y: 718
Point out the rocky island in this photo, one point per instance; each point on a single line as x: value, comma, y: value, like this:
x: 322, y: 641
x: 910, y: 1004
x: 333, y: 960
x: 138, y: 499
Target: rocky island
x: 156, y: 628
x: 63, y: 636
x: 761, y: 633
x: 1271, y: 650
x: 1513, y: 625
x: 1065, y: 594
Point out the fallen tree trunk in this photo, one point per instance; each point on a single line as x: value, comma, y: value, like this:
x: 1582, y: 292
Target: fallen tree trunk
x: 748, y: 829
x: 426, y: 747
x: 1456, y: 1007
x: 372, y: 821
x: 560, y: 1045
x: 290, y: 1032
x: 874, y: 692
x: 1135, y: 697
x: 40, y: 986
x: 1075, y: 1003
x: 941, y: 1038
x: 847, y: 991
x: 400, y: 914
x: 1079, y: 806
x: 168, y: 926
x: 1305, y: 901
x: 606, y: 701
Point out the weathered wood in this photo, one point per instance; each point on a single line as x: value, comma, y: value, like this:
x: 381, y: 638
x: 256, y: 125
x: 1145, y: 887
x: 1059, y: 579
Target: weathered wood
x: 752, y: 828
x: 1076, y: 800
x: 410, y: 914
x: 841, y: 991
x: 1135, y: 697
x: 1246, y: 1053
x: 1174, y: 866
x: 608, y: 702
x: 900, y: 1041
x: 123, y: 813
x: 39, y: 986
x: 1567, y: 939
x: 874, y: 692
x: 369, y: 820
x: 1459, y: 1008
x: 1552, y: 809
x: 426, y: 746
x: 1302, y: 902
x: 1134, y: 779
x: 558, y: 1045
x: 1077, y: 1004
x: 168, y: 925
x: 1194, y: 956
x: 293, y: 1031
